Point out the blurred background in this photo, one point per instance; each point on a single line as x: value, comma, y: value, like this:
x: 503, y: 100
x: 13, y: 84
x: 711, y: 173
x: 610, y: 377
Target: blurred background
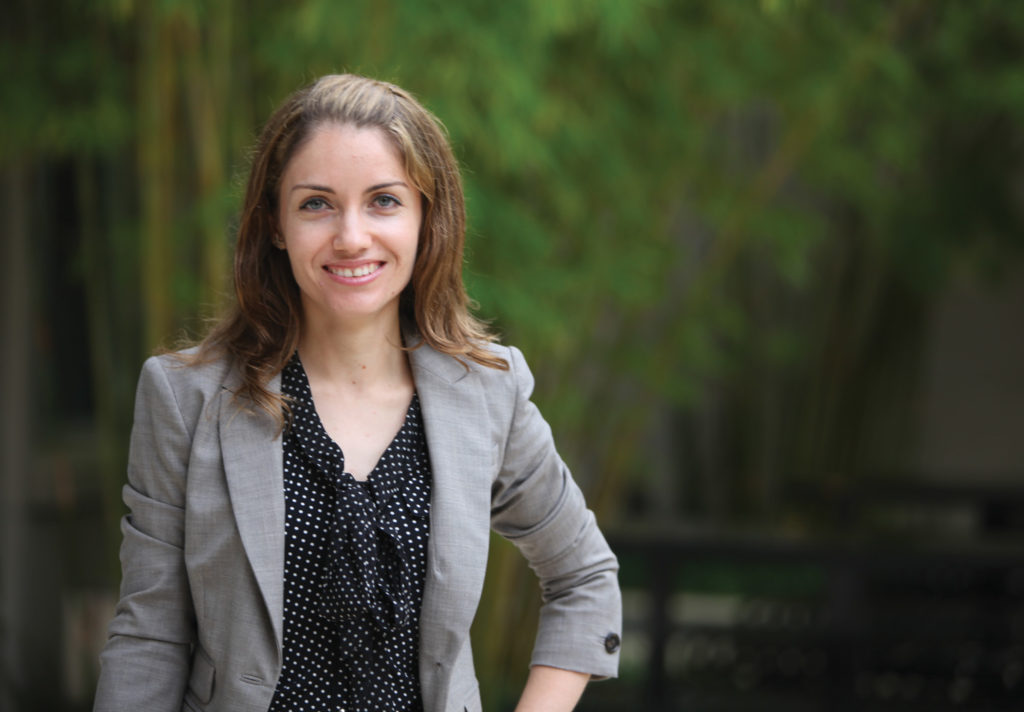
x: 764, y: 257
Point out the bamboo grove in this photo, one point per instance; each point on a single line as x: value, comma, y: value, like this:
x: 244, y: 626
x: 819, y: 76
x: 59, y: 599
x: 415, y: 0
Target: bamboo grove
x: 738, y: 209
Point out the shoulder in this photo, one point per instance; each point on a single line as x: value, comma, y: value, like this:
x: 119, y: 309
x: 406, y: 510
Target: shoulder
x: 517, y: 376
x: 186, y: 380
x: 454, y: 369
x: 185, y: 369
x: 488, y: 400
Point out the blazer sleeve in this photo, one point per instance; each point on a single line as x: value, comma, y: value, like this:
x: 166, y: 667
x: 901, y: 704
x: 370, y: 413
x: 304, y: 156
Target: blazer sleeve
x: 537, y: 505
x: 145, y: 663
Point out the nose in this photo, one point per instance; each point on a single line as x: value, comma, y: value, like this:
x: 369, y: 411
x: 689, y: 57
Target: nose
x: 351, y: 234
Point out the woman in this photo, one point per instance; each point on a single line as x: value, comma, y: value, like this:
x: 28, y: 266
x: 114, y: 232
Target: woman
x: 311, y: 490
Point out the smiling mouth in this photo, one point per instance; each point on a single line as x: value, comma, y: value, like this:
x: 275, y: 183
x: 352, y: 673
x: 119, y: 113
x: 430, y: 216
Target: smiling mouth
x: 360, y: 271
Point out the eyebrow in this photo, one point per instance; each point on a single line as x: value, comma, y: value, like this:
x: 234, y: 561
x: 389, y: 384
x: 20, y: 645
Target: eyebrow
x: 325, y: 189
x: 311, y: 186
x: 381, y: 186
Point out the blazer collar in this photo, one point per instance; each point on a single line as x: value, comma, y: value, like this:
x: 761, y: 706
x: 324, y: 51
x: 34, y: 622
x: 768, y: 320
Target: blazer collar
x: 423, y: 359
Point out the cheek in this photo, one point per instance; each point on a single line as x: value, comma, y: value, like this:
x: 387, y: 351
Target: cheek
x: 299, y: 240
x: 414, y: 238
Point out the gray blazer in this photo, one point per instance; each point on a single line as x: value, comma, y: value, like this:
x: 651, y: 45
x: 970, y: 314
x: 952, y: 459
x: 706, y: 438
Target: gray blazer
x: 199, y: 622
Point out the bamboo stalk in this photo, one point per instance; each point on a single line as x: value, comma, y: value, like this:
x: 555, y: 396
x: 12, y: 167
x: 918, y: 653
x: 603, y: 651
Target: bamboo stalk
x: 156, y: 148
x: 206, y: 54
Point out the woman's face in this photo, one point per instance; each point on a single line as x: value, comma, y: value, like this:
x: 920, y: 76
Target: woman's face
x: 350, y: 220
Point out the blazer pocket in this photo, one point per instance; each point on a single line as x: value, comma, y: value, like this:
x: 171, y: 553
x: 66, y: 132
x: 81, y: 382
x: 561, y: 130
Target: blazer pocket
x: 201, y: 679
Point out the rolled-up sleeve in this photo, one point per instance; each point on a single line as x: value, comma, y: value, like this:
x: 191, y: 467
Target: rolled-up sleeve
x: 538, y: 506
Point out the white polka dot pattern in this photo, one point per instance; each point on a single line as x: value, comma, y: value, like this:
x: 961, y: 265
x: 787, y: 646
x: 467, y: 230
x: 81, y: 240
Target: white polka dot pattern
x: 355, y: 562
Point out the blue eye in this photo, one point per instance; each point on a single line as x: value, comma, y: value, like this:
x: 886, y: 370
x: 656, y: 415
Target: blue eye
x: 314, y: 204
x: 386, y: 201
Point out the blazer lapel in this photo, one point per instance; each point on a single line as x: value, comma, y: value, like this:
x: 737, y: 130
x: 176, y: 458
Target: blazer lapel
x: 463, y: 455
x: 254, y: 469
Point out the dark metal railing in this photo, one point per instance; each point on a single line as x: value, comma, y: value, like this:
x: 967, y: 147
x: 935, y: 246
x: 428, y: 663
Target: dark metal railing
x: 849, y: 622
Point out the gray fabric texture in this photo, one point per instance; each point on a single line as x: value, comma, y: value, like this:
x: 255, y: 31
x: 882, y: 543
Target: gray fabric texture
x: 199, y: 622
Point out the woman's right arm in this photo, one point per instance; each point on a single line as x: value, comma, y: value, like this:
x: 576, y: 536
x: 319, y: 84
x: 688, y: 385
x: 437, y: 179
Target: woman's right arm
x: 145, y: 663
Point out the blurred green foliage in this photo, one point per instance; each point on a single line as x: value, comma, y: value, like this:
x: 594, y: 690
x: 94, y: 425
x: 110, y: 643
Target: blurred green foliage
x: 667, y: 199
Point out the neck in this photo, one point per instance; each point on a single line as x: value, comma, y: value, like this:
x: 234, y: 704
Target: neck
x: 362, y: 356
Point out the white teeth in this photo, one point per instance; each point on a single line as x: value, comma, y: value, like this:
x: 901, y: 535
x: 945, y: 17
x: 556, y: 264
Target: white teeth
x: 357, y: 272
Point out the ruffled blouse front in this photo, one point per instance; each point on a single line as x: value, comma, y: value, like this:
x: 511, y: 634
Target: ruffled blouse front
x: 355, y: 562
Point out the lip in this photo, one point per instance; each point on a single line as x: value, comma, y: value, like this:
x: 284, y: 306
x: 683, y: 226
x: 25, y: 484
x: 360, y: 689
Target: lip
x: 354, y: 273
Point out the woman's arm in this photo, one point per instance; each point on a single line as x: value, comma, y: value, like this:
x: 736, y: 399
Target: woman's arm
x: 145, y: 664
x: 550, y: 689
x: 539, y: 508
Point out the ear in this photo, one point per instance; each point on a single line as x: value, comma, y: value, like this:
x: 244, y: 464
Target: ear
x: 278, y: 241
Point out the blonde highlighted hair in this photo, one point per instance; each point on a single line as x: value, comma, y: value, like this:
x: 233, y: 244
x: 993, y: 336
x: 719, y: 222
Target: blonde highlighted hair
x: 262, y: 330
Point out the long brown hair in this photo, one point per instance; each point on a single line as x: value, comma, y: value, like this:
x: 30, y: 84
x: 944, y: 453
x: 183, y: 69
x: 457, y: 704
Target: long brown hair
x: 262, y: 330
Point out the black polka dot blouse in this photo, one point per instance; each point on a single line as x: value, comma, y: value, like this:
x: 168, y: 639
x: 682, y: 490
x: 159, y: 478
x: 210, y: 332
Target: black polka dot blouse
x: 355, y: 561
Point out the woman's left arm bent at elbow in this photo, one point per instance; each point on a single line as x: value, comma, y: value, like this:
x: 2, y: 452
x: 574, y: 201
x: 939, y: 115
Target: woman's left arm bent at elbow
x: 537, y: 505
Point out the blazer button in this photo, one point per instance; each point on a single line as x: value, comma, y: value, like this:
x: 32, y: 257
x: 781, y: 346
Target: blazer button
x: 612, y: 643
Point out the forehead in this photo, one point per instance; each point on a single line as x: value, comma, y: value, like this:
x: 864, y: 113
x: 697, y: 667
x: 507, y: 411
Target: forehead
x: 346, y: 144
